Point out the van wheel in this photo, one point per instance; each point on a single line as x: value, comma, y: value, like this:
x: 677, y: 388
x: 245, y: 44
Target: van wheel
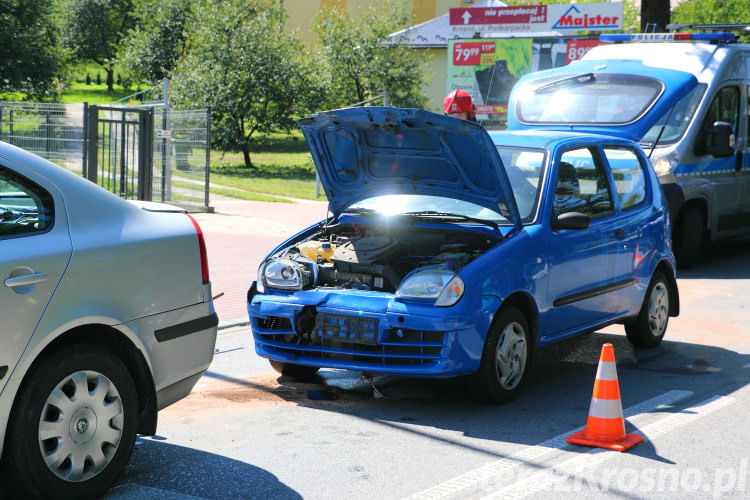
x: 647, y: 330
x: 73, y: 426
x: 292, y: 370
x: 689, y: 236
x: 506, y: 357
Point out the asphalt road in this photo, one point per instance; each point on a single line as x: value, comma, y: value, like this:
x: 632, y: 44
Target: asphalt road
x: 245, y: 432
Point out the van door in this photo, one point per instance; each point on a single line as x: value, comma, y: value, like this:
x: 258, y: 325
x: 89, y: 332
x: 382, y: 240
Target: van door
x: 721, y: 172
x: 744, y: 205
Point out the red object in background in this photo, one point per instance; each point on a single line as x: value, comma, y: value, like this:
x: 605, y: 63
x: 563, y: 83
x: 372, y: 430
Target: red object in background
x: 467, y: 53
x: 575, y: 49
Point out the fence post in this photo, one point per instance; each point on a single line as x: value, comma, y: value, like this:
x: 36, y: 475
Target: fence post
x: 10, y: 126
x: 47, y: 125
x: 145, y: 154
x: 208, y: 153
x: 123, y: 163
x: 92, y: 125
x: 85, y: 145
x: 1, y: 122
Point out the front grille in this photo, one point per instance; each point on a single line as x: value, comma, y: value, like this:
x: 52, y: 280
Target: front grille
x: 400, y: 346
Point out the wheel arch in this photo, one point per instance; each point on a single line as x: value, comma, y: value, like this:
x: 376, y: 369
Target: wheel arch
x: 525, y: 303
x: 674, y: 296
x: 115, y: 341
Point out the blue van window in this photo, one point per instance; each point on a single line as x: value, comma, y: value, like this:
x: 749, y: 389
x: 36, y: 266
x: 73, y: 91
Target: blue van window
x: 582, y: 185
x: 601, y: 98
x: 680, y: 115
x: 627, y: 171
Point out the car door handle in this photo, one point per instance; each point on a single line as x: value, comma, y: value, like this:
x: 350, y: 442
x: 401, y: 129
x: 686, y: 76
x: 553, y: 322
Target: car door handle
x: 25, y: 280
x: 620, y: 233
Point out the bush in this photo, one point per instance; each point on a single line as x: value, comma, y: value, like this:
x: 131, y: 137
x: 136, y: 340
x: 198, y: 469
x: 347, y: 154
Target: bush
x: 98, y: 78
x: 88, y: 79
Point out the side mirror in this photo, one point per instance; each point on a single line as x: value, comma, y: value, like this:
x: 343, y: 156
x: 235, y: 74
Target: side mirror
x: 722, y: 140
x: 570, y: 220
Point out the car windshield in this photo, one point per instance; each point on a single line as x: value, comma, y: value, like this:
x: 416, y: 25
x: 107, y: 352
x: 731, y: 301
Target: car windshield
x: 680, y: 115
x: 602, y: 98
x: 524, y: 168
x: 432, y: 206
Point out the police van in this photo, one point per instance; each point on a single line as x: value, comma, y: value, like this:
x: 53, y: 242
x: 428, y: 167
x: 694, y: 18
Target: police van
x: 686, y: 103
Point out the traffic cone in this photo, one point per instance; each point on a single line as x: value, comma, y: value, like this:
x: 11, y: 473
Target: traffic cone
x: 605, y: 427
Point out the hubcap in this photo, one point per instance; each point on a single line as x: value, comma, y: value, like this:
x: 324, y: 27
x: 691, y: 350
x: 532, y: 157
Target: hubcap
x: 511, y: 356
x: 658, y: 309
x: 80, y: 426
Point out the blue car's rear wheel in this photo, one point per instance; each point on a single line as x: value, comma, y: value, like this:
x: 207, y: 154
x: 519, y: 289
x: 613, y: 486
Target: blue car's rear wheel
x: 506, y: 357
x: 647, y: 330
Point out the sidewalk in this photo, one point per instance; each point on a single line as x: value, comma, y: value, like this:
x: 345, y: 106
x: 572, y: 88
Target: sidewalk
x: 238, y: 235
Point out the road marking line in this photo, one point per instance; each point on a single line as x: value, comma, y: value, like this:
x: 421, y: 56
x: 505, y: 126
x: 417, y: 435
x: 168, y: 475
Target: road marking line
x: 535, y: 452
x: 545, y: 480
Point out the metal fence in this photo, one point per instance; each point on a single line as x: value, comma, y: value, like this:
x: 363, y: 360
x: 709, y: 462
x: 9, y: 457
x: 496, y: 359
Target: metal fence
x: 182, y: 176
x: 180, y: 159
x: 51, y: 130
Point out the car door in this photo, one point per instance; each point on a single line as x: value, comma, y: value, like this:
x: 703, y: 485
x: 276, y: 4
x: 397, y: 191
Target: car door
x: 581, y: 261
x: 634, y: 221
x: 35, y: 250
x: 745, y: 168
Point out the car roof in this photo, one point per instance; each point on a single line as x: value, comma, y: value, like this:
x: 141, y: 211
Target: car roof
x: 550, y: 139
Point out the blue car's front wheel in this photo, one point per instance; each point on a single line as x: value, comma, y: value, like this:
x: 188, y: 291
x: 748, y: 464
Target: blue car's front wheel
x: 506, y: 357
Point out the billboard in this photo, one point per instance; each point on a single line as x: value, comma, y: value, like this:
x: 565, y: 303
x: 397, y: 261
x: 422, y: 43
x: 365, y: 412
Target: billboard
x: 565, y: 18
x: 488, y: 68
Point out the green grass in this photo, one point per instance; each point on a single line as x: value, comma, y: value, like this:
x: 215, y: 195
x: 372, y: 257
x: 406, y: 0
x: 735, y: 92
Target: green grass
x: 230, y: 193
x: 94, y: 94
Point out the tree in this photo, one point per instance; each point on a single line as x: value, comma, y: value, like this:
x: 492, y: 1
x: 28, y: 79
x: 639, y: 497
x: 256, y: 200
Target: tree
x: 240, y: 61
x: 361, y: 62
x: 713, y: 12
x: 151, y: 50
x: 30, y: 60
x: 93, y: 29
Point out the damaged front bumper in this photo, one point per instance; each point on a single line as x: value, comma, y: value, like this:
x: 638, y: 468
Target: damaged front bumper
x: 370, y: 331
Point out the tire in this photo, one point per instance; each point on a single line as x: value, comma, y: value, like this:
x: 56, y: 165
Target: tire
x: 78, y: 406
x: 647, y: 330
x: 506, y: 357
x: 292, y: 370
x: 689, y: 236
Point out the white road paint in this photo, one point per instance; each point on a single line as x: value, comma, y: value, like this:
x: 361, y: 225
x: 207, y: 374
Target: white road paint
x: 580, y: 464
x: 533, y: 453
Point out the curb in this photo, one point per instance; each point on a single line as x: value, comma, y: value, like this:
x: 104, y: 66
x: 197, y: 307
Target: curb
x: 231, y: 323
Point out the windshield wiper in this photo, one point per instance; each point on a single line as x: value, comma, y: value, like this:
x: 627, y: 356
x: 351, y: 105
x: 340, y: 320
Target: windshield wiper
x: 582, y: 78
x: 432, y: 213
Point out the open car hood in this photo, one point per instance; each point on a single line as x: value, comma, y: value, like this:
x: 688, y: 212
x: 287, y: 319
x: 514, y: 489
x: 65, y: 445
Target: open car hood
x: 675, y: 85
x: 372, y: 151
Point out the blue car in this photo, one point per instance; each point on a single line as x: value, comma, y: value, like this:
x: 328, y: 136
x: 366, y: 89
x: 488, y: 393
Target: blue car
x: 451, y: 251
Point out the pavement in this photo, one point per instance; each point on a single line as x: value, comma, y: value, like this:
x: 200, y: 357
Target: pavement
x: 238, y: 235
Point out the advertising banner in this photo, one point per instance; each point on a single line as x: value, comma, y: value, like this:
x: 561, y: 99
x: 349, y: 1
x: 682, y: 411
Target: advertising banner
x: 487, y: 69
x: 536, y: 18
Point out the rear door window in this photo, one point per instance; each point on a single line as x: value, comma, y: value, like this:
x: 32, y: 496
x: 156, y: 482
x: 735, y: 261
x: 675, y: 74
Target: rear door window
x: 25, y: 207
x: 582, y: 185
x: 629, y: 176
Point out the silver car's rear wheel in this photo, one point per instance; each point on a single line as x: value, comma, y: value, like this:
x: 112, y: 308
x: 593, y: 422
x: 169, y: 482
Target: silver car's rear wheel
x: 72, y: 427
x: 80, y: 426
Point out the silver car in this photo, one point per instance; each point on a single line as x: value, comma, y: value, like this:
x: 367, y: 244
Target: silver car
x: 107, y: 318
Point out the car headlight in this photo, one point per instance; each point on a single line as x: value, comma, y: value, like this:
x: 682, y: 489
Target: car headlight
x: 286, y: 274
x: 665, y: 164
x: 260, y: 284
x: 443, y: 286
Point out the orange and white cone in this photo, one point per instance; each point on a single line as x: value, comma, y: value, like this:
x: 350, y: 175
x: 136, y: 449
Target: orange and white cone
x: 605, y: 427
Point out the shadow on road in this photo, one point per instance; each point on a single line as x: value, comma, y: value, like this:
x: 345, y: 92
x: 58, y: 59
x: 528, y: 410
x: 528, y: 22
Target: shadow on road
x: 170, y: 471
x: 726, y: 259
